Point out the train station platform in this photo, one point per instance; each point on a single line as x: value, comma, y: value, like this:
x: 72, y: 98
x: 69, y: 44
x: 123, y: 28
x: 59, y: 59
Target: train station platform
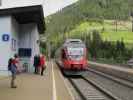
x: 51, y: 86
x: 114, y: 70
x: 115, y: 67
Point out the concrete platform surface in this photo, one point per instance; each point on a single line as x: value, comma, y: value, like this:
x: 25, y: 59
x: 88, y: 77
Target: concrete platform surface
x: 120, y: 72
x: 126, y: 69
x: 3, y: 77
x: 62, y: 89
x: 35, y: 87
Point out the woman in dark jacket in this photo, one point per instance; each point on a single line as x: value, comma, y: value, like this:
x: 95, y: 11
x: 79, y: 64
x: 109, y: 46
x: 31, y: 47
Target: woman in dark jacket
x: 36, y: 63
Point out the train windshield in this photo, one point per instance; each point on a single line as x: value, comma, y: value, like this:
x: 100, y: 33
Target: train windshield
x: 75, y: 53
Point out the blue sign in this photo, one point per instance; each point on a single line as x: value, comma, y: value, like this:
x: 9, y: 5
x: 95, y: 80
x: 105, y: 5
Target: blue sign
x: 5, y: 37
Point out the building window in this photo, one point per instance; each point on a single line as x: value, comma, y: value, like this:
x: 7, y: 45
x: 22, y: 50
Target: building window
x: 14, y: 45
x: 25, y: 52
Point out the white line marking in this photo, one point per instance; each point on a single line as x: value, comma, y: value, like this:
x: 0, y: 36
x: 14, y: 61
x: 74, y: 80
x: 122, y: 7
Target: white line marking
x: 68, y: 89
x: 54, y: 86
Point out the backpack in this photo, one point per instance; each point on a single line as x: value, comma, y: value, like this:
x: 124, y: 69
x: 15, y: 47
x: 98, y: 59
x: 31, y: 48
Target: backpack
x: 9, y: 64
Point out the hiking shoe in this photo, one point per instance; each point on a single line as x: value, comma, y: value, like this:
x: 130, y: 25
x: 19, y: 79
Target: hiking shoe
x: 13, y: 86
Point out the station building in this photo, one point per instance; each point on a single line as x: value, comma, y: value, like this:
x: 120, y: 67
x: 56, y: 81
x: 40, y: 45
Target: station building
x: 21, y: 22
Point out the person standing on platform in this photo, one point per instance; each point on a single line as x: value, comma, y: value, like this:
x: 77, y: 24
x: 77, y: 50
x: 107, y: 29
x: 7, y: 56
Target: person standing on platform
x: 42, y: 64
x: 38, y: 64
x: 13, y: 66
x: 35, y: 64
x: 13, y: 69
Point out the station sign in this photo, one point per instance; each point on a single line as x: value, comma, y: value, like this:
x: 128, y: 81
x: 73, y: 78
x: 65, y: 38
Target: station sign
x: 5, y: 37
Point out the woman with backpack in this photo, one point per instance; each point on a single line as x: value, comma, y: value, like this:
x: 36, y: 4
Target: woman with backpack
x: 12, y: 67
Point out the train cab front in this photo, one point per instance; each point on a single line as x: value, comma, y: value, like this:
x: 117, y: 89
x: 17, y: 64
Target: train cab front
x: 75, y: 65
x: 74, y: 58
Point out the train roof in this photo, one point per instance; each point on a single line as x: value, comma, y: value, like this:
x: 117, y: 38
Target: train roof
x: 74, y: 43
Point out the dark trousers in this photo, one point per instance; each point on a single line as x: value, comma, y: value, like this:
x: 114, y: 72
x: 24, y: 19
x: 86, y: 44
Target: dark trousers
x: 42, y: 69
x: 36, y: 70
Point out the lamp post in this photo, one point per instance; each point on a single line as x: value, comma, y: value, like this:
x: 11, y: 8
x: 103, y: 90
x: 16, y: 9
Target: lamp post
x: 132, y: 20
x: 44, y: 39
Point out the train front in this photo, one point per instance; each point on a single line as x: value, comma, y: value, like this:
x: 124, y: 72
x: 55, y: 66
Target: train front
x: 75, y: 61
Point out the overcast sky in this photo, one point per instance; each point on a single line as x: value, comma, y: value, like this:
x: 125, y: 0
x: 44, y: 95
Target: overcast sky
x: 51, y: 6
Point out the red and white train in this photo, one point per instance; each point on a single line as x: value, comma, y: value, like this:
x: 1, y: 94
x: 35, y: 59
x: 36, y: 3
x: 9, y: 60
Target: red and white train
x: 73, y: 57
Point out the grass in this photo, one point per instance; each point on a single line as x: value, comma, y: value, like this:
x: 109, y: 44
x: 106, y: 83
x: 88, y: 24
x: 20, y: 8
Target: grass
x: 123, y: 32
x: 109, y: 33
x: 127, y: 37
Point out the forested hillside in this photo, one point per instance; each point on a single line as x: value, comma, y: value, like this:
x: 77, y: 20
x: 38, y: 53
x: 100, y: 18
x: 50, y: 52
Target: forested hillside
x: 104, y: 25
x: 88, y: 10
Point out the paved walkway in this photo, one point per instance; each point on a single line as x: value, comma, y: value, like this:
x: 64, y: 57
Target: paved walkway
x: 115, y: 67
x: 35, y: 87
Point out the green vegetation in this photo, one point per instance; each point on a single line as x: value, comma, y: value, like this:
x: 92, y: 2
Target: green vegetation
x: 113, y: 51
x: 111, y: 19
x: 88, y: 10
x: 108, y: 30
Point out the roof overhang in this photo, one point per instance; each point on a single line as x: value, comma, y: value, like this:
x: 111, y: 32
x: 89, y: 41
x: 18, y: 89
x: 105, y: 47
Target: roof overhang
x: 27, y: 14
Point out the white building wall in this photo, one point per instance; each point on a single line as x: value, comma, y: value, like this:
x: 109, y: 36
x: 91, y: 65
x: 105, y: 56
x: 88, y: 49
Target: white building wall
x: 25, y: 35
x: 28, y: 37
x: 14, y: 37
x: 5, y: 51
x: 34, y: 39
x: 19, y: 3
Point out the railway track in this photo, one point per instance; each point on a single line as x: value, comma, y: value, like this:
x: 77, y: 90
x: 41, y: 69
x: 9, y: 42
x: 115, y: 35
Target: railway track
x: 121, y: 81
x: 115, y: 87
x: 89, y: 91
x: 95, y: 85
x: 109, y: 87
